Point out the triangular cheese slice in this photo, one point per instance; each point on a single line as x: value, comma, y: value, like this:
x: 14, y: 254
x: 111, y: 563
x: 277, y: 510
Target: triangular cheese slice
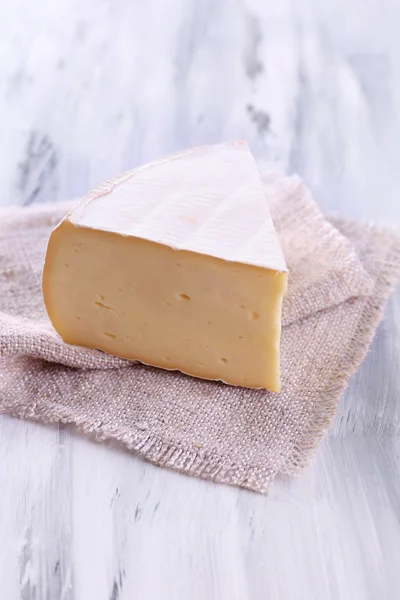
x: 175, y: 264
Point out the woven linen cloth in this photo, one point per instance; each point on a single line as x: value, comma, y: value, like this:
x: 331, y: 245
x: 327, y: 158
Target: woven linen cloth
x: 340, y: 276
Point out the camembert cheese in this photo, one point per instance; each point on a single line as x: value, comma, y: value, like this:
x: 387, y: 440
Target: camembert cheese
x: 175, y: 264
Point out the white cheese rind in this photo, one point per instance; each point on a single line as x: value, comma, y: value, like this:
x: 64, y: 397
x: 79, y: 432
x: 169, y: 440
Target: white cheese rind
x: 209, y: 200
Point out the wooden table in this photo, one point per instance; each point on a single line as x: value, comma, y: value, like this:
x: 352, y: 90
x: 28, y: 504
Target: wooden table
x: 88, y: 89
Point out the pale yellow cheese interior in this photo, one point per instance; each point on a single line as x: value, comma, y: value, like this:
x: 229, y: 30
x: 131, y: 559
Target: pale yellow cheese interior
x: 169, y: 308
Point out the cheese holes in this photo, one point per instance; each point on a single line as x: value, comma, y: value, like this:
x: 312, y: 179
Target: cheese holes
x: 110, y: 335
x: 223, y: 359
x: 101, y: 305
x: 184, y: 297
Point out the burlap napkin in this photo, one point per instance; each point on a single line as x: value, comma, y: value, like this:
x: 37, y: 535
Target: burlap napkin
x: 340, y: 277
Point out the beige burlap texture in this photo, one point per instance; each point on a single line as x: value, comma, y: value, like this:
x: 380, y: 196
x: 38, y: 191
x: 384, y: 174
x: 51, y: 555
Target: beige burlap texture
x: 341, y: 274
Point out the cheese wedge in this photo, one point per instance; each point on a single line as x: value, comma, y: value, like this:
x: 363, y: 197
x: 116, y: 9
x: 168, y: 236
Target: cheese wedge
x: 175, y: 264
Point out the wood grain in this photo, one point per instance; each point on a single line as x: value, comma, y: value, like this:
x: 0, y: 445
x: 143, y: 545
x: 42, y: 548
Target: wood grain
x: 90, y: 89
